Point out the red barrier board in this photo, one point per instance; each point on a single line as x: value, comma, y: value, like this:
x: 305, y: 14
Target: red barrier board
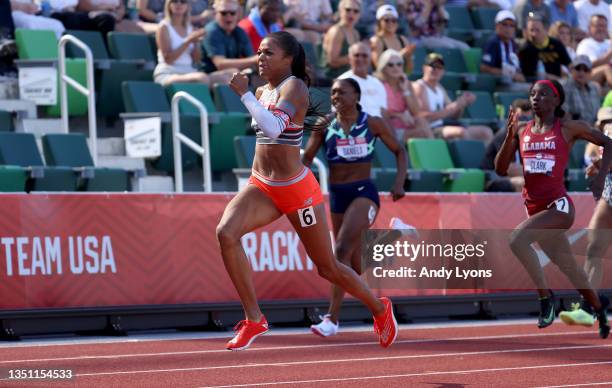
x: 131, y: 249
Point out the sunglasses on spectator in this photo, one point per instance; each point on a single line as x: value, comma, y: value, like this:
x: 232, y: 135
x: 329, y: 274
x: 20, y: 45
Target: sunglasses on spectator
x: 508, y: 25
x: 437, y: 66
x: 225, y: 13
x: 395, y: 64
x: 353, y: 10
x: 179, y: 1
x: 360, y: 55
x: 390, y: 20
x: 582, y: 68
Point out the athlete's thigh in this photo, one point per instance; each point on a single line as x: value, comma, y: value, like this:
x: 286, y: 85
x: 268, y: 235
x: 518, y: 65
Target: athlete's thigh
x: 249, y: 210
x: 600, y: 227
x: 357, y: 219
x: 336, y: 219
x: 311, y: 225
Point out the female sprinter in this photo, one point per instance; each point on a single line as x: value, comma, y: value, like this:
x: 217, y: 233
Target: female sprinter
x: 280, y: 184
x: 544, y: 144
x: 353, y: 197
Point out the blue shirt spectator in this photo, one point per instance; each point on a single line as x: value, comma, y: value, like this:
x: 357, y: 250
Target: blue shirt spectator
x: 564, y: 11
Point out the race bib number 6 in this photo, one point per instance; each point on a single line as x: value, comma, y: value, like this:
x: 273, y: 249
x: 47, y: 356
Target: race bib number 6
x: 307, y: 217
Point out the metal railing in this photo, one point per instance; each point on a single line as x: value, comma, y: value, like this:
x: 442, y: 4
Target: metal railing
x: 88, y: 91
x: 178, y: 138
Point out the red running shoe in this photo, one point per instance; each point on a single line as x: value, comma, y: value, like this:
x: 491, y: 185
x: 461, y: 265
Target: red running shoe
x: 385, y: 325
x: 246, y: 332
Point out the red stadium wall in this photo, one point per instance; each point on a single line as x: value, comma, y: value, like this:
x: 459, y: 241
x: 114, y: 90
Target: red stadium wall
x: 130, y: 249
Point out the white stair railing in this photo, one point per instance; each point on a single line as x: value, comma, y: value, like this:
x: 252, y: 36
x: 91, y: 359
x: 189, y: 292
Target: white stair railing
x: 88, y: 91
x: 178, y: 138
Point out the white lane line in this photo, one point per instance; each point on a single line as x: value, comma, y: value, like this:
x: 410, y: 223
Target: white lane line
x: 173, y: 336
x: 278, y: 348
x: 578, y: 385
x: 453, y: 372
x: 342, y: 360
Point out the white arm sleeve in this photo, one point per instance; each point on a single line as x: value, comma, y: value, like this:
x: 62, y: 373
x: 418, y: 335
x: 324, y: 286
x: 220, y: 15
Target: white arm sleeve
x: 271, y: 123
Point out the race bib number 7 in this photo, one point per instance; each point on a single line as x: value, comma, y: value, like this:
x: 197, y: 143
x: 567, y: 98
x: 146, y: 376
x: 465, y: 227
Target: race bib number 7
x: 307, y: 217
x: 562, y: 205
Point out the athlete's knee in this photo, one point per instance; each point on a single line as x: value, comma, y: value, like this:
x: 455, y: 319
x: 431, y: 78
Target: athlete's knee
x: 226, y: 234
x: 328, y: 272
x: 596, y: 248
x: 517, y: 240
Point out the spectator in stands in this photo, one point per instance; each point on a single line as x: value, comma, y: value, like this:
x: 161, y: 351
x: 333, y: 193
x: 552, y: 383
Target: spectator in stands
x: 564, y: 11
x: 179, y: 48
x: 387, y: 37
x: 308, y: 20
x: 587, y: 8
x: 597, y: 47
x: 562, y: 31
x: 523, y: 8
x: 499, y: 55
x: 442, y: 113
x: 373, y: 96
x: 261, y: 21
x: 427, y: 20
x: 151, y: 12
x: 66, y: 12
x: 227, y: 46
x: 115, y: 8
x: 402, y: 104
x: 26, y: 15
x: 540, y: 48
x: 514, y: 181
x: 501, y: 4
x: 340, y: 37
x: 582, y: 97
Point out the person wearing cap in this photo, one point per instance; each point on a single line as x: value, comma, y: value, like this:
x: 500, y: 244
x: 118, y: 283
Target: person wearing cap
x: 436, y: 106
x: 340, y: 37
x: 598, y: 48
x: 225, y: 45
x: 373, y: 95
x: 523, y: 8
x: 387, y: 37
x: 582, y: 97
x: 540, y: 48
x: 499, y: 55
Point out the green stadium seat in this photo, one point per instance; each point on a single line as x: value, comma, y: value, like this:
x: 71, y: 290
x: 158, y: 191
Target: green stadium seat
x: 150, y: 97
x: 466, y: 153
x: 472, y: 58
x: 484, y: 17
x: 482, y: 111
x: 123, y: 45
x: 576, y: 157
x: 460, y: 25
x: 384, y: 172
x: 222, y: 134
x: 109, y: 73
x: 6, y: 121
x: 71, y: 150
x: 453, y: 60
x: 20, y: 149
x: 12, y: 179
x: 244, y: 148
x: 226, y: 100
x: 36, y: 44
x: 505, y: 99
x: 482, y: 82
x: 433, y: 155
x: 452, y: 82
x: 420, y: 53
x: 42, y: 45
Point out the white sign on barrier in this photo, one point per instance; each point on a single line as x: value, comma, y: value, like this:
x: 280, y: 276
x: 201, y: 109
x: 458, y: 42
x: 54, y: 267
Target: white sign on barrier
x: 143, y: 137
x: 38, y: 84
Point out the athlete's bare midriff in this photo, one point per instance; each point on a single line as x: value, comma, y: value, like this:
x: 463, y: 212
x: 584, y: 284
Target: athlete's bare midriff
x: 340, y: 173
x: 277, y: 161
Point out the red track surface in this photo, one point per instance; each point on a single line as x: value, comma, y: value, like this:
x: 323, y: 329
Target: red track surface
x: 493, y: 355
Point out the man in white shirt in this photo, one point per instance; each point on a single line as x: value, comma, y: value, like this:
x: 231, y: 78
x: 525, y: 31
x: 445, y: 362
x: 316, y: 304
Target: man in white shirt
x: 587, y: 8
x: 598, y: 48
x: 373, y: 95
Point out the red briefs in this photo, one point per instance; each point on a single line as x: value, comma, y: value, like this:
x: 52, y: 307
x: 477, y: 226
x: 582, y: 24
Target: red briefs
x: 290, y: 195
